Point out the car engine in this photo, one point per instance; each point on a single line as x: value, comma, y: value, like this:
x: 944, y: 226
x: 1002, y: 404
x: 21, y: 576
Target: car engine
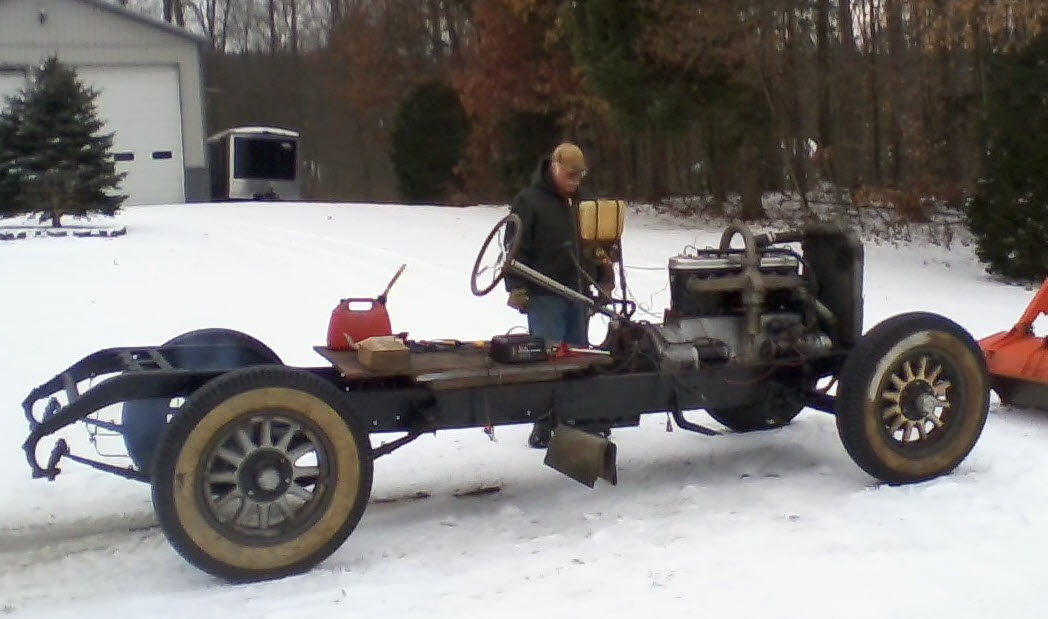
x: 760, y: 303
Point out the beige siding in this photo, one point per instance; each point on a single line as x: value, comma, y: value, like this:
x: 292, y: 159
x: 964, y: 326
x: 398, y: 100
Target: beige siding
x: 82, y: 34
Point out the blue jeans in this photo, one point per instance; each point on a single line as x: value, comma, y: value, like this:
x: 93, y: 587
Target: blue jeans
x: 557, y: 320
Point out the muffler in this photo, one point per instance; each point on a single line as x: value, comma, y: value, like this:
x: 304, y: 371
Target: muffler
x: 581, y: 456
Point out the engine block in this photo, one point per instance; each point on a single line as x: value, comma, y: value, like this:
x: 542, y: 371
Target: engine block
x: 726, y: 306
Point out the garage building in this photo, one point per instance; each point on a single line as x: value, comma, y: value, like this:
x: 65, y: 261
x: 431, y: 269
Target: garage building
x: 150, y: 77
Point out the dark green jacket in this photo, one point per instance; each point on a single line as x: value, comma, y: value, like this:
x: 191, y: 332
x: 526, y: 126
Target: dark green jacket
x: 549, y: 235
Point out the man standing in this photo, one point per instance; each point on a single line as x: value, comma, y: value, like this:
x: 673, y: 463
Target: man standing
x: 550, y: 244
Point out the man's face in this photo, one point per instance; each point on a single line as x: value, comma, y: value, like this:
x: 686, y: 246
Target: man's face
x: 566, y: 180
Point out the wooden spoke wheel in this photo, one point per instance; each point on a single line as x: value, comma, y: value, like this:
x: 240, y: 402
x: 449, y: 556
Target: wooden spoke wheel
x: 263, y: 474
x: 913, y: 398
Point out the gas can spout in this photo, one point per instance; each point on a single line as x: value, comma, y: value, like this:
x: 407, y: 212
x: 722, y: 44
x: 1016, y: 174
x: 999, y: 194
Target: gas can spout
x: 385, y: 293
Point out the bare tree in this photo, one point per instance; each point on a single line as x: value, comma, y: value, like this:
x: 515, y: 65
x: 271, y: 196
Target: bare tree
x: 173, y: 12
x: 824, y: 121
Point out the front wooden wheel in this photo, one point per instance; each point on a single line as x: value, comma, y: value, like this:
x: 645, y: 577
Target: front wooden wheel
x: 263, y: 474
x: 913, y: 398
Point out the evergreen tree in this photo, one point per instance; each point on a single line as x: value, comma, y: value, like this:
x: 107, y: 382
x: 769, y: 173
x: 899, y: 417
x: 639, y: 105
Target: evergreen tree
x: 12, y: 109
x: 644, y: 93
x: 526, y: 138
x: 429, y: 140
x: 54, y: 160
x: 1009, y: 214
x: 665, y: 67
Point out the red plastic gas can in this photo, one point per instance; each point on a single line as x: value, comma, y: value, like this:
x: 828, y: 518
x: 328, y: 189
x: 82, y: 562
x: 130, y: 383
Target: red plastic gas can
x: 354, y: 320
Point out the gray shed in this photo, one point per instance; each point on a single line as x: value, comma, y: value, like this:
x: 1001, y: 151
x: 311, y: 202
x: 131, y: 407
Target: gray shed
x: 150, y: 78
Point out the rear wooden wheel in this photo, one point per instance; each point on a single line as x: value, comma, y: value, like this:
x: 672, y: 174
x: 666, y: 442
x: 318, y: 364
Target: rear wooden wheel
x: 263, y: 474
x: 144, y: 421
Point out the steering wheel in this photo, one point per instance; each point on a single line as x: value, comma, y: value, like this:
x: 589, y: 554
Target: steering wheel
x: 507, y: 232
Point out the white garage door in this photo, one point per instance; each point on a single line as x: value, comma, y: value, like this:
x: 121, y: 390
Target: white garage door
x: 11, y: 81
x: 141, y: 105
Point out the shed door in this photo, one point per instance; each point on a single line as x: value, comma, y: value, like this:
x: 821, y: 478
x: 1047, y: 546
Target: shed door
x: 141, y: 105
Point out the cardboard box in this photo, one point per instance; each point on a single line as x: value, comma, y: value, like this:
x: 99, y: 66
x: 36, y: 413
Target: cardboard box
x: 384, y: 353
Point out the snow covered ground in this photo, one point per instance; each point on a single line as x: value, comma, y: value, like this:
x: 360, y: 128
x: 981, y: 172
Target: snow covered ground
x: 774, y: 524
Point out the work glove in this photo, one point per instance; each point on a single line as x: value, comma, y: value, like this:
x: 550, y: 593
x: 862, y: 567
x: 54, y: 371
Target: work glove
x: 518, y: 299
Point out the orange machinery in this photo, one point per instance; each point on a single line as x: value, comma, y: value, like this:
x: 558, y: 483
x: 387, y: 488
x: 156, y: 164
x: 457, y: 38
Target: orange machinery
x: 1017, y: 359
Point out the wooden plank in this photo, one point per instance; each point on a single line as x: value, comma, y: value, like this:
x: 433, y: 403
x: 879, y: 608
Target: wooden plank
x: 421, y: 362
x: 464, y: 368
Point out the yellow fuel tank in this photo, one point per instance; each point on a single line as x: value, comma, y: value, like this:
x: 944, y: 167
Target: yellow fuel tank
x: 601, y: 220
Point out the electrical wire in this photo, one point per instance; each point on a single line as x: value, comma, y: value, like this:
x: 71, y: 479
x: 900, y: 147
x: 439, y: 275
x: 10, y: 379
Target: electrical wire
x: 637, y: 268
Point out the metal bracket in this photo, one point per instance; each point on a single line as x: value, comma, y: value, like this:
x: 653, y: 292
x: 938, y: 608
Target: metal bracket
x: 582, y: 456
x: 684, y: 424
x: 390, y: 447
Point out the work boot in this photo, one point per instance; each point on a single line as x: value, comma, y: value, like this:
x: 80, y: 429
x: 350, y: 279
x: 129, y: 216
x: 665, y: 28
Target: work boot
x: 540, y: 435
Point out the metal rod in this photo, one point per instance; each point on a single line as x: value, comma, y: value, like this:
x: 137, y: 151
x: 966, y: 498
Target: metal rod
x: 822, y: 402
x: 391, y: 446
x: 531, y: 274
x: 105, y: 425
x: 125, y: 472
x: 684, y: 424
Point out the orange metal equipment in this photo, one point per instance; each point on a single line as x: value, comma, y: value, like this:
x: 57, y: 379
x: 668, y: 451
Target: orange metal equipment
x: 1018, y: 359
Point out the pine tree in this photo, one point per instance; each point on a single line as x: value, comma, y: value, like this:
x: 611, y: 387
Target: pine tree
x: 12, y: 109
x: 429, y: 140
x: 1009, y: 214
x: 645, y: 93
x: 54, y: 160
